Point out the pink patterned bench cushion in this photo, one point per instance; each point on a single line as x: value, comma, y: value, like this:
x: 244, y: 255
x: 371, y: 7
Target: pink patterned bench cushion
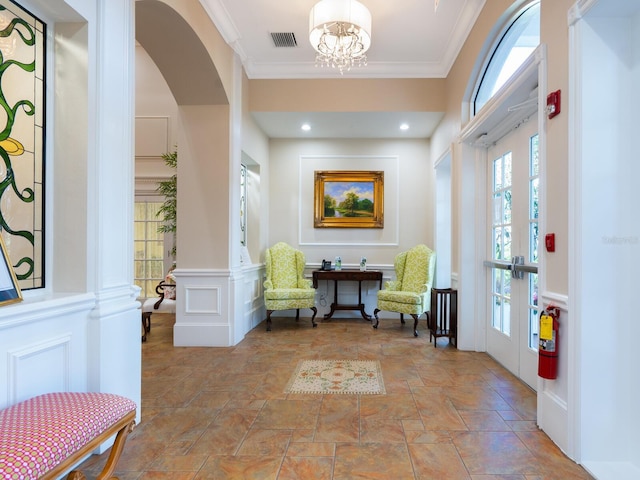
x: 39, y: 433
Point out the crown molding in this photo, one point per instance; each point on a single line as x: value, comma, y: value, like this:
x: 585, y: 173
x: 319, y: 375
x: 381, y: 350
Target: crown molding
x: 461, y: 31
x: 306, y: 70
x: 296, y: 70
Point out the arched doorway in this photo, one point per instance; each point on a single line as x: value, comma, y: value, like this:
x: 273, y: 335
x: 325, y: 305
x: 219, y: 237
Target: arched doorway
x: 199, y: 69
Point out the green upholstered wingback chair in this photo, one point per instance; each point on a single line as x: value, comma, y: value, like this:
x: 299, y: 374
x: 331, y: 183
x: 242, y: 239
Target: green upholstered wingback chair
x: 285, y: 287
x: 410, y: 293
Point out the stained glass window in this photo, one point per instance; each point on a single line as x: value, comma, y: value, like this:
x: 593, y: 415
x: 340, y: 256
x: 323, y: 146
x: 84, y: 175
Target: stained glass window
x: 22, y: 100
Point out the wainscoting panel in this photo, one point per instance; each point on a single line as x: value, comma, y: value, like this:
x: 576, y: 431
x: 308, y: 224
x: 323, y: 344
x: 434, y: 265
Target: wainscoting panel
x: 26, y: 366
x: 205, y: 308
x: 44, y: 347
x: 553, y: 411
x: 202, y: 300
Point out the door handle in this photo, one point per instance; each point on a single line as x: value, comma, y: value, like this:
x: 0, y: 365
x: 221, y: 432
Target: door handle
x: 517, y: 260
x: 517, y: 266
x: 497, y: 264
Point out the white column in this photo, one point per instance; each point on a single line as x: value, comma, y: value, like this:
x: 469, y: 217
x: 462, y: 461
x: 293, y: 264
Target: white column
x: 114, y: 327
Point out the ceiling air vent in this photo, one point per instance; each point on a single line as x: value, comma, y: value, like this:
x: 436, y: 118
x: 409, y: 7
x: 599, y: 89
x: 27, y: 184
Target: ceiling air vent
x: 284, y: 39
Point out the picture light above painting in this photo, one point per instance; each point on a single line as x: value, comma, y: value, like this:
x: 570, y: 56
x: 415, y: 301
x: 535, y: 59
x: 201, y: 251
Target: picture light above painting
x: 348, y: 199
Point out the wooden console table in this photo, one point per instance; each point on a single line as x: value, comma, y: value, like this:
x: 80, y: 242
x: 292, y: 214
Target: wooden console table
x: 343, y: 276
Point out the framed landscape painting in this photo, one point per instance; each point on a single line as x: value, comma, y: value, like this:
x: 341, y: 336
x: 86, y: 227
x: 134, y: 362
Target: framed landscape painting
x: 348, y: 199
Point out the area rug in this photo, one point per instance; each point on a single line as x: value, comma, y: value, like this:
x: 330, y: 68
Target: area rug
x: 337, y: 376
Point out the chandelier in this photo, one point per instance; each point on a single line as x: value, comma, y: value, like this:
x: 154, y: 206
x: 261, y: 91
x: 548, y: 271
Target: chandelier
x: 340, y: 33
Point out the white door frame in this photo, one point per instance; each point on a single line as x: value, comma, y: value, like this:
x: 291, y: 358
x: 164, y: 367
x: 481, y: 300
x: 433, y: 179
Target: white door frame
x: 497, y: 118
x: 512, y: 350
x: 443, y: 232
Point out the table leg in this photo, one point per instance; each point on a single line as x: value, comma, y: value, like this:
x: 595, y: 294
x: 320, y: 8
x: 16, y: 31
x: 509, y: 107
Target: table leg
x: 364, y: 314
x: 335, y: 300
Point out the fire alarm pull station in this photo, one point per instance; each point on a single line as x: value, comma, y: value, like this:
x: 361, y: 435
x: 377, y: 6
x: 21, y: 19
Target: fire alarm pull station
x: 553, y: 104
x: 550, y: 242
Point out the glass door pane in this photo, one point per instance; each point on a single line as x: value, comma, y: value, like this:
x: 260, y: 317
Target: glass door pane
x: 512, y: 329
x: 501, y: 225
x: 149, y: 250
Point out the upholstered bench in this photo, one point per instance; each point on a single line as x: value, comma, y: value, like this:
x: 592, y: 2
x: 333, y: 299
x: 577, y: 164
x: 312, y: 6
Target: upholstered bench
x: 45, y: 436
x: 164, y: 303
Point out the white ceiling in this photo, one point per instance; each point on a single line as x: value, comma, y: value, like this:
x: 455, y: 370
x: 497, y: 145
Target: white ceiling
x: 410, y: 39
x: 348, y: 125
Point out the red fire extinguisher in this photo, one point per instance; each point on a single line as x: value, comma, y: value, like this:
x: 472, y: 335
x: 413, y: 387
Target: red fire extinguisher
x: 548, y: 343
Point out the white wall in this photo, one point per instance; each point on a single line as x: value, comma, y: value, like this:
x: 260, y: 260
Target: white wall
x: 157, y: 124
x: 408, y: 194
x: 608, y: 243
x: 82, y: 332
x: 630, y: 271
x: 443, y: 209
x: 408, y: 207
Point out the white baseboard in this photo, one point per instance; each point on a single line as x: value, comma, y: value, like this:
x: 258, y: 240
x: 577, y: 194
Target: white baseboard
x: 613, y: 470
x: 201, y: 335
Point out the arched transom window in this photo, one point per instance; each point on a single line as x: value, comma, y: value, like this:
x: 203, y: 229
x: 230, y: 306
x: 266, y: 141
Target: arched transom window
x: 513, y: 45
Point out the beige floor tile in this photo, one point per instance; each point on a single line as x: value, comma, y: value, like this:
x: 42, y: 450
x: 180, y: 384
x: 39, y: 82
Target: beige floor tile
x: 484, y: 420
x: 154, y: 475
x: 381, y: 430
x: 495, y: 453
x: 432, y: 461
x: 288, y: 414
x: 366, y: 461
x: 240, y: 467
x: 265, y: 442
x: 501, y: 477
x: 339, y: 419
x: 178, y: 463
x: 438, y: 413
x: 314, y: 468
x: 549, y: 456
x: 221, y: 413
x: 393, y: 405
x: 311, y: 449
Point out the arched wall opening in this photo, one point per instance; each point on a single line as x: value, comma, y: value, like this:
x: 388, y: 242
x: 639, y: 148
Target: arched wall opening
x: 202, y: 73
x: 203, y: 131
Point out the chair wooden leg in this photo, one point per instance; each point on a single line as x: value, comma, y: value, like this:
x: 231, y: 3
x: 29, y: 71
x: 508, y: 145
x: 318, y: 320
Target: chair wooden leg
x: 375, y: 314
x: 415, y: 324
x: 297, y: 314
x: 402, y: 318
x: 146, y: 325
x: 269, y: 320
x: 313, y: 317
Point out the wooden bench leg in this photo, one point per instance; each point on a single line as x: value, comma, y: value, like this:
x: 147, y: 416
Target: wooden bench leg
x: 114, y: 455
x: 116, y: 451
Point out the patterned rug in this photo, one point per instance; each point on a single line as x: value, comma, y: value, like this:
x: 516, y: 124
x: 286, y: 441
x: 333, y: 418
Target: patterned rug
x: 337, y: 376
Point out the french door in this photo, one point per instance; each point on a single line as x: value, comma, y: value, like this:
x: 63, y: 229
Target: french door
x: 512, y: 259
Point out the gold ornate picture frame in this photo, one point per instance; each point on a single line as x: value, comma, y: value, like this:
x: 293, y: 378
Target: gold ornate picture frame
x: 9, y: 288
x: 348, y: 199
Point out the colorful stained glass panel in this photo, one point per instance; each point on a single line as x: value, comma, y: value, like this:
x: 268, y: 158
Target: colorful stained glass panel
x: 22, y: 100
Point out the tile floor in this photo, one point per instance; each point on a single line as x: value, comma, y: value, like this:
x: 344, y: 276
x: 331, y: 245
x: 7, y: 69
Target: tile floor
x: 220, y: 413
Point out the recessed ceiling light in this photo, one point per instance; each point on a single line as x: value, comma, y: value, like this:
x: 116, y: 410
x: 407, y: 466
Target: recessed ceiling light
x: 306, y: 127
x: 404, y: 126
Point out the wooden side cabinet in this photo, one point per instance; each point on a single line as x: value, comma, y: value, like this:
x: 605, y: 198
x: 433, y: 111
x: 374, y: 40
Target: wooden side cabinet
x: 443, y: 317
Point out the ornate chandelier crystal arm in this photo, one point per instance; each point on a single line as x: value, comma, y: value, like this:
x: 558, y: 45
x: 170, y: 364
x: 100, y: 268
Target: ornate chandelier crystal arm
x: 340, y: 32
